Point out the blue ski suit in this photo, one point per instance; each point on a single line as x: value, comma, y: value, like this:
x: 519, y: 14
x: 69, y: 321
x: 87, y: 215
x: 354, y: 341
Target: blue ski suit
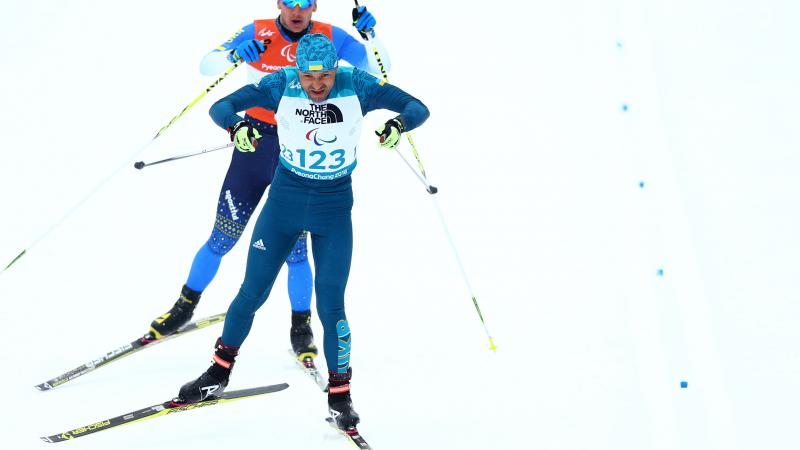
x: 311, y: 191
x: 249, y: 174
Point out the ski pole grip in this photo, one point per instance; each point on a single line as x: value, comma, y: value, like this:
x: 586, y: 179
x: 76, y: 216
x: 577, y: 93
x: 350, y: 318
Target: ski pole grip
x: 366, y: 33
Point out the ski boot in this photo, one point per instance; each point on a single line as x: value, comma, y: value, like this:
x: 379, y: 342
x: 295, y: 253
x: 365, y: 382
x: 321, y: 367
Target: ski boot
x: 340, y: 406
x: 176, y: 317
x: 214, y: 381
x: 303, y: 338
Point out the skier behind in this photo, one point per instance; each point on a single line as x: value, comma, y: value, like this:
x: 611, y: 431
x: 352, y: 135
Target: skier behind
x: 320, y: 107
x: 250, y: 173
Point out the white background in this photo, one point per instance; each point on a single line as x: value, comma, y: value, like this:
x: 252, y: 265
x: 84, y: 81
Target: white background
x: 539, y: 170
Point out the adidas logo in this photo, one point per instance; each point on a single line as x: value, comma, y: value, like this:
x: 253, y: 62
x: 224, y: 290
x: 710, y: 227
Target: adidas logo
x: 259, y: 244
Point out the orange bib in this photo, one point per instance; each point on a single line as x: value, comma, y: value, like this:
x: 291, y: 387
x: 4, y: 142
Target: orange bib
x: 279, y: 54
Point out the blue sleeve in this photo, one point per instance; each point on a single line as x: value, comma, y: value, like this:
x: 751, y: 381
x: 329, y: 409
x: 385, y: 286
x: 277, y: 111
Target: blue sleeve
x: 267, y: 95
x: 247, y: 32
x: 349, y: 49
x: 374, y: 94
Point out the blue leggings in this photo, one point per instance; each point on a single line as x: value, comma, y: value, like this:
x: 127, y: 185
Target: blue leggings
x: 248, y: 176
x: 296, y: 204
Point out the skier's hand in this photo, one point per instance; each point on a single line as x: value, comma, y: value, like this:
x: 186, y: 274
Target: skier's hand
x: 389, y: 133
x: 249, y: 50
x: 244, y: 136
x: 364, y: 22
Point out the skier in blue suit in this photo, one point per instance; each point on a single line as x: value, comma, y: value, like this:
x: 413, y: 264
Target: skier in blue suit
x: 249, y: 174
x: 320, y: 108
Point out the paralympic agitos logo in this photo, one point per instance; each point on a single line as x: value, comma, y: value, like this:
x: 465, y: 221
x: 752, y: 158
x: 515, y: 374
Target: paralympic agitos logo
x: 313, y: 137
x: 320, y: 114
x: 286, y: 52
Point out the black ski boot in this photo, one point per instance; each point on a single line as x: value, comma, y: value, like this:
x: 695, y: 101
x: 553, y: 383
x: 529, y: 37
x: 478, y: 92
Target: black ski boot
x: 340, y: 406
x: 176, y: 317
x: 214, y: 381
x: 302, y: 337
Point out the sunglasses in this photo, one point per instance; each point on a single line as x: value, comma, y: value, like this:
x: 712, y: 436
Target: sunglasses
x: 303, y: 4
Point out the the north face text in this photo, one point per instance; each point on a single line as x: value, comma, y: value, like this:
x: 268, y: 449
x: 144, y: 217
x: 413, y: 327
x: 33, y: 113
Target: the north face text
x: 321, y: 114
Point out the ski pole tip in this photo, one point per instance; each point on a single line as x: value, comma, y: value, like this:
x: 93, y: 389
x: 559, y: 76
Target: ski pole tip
x: 139, y: 165
x: 432, y: 189
x: 14, y: 260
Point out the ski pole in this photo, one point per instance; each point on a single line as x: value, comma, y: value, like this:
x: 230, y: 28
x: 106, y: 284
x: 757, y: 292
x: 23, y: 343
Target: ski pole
x: 492, y: 347
x: 238, y: 63
x: 141, y: 164
x: 119, y: 169
x: 432, y: 190
x: 197, y: 99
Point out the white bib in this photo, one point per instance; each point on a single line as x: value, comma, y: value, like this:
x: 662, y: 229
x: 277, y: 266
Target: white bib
x: 319, y: 140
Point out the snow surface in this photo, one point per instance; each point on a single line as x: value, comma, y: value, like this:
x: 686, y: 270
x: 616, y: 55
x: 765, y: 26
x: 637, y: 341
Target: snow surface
x: 539, y: 169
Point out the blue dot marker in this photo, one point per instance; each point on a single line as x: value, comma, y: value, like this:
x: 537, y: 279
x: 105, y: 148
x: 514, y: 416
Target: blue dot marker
x: 660, y: 272
x: 619, y: 44
x: 684, y: 384
x: 625, y: 107
x: 641, y: 184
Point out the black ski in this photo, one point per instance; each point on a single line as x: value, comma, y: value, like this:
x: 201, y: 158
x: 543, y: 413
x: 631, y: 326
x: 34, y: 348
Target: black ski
x: 162, y: 409
x: 309, y: 368
x: 128, y: 349
x: 352, y: 435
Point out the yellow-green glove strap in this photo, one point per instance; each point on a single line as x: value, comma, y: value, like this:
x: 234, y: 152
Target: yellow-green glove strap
x: 388, y: 135
x: 246, y: 138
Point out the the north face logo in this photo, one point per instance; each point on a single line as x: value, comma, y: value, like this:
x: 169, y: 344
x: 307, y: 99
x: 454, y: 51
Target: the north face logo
x: 321, y: 114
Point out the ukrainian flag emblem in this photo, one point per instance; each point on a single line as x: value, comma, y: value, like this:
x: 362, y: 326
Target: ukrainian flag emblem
x: 315, y: 65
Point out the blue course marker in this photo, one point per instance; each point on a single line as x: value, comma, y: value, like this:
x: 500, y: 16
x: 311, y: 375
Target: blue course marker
x: 660, y: 272
x: 625, y: 107
x: 641, y: 184
x: 684, y: 384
